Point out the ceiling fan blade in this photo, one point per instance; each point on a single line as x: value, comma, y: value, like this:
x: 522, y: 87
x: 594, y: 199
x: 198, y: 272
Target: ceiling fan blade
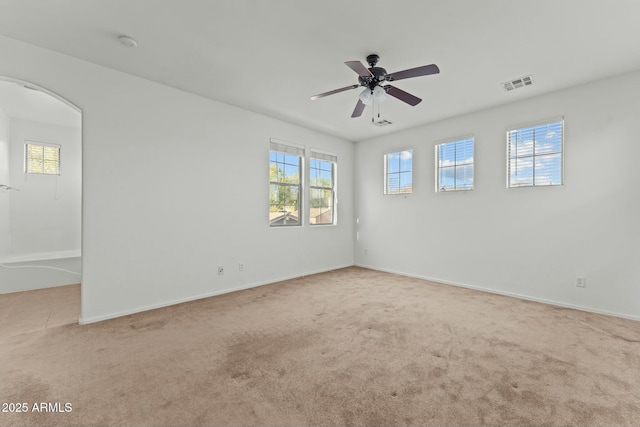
x: 357, y: 112
x: 359, y: 68
x: 425, y: 70
x: 331, y: 92
x: 402, y: 95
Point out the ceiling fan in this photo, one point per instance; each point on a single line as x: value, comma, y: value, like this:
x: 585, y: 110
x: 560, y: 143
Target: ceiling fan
x: 372, y: 79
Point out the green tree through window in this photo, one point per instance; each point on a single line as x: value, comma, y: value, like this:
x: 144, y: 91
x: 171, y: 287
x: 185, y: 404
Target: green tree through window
x: 284, y: 188
x: 322, y: 189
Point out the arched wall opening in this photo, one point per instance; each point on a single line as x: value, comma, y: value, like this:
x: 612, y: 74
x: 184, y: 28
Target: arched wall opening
x: 40, y: 188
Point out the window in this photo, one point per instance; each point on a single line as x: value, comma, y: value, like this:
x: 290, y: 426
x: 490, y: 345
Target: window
x: 454, y: 165
x: 41, y: 158
x: 535, y: 155
x: 285, y: 183
x: 398, y: 172
x: 322, y: 198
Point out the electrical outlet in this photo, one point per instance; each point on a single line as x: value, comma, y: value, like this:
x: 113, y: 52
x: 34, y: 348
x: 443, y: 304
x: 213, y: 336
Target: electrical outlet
x: 240, y: 267
x: 580, y: 282
x: 220, y: 270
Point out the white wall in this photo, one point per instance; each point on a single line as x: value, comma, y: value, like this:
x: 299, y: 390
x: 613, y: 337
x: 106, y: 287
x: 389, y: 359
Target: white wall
x: 46, y: 212
x: 175, y: 185
x: 5, y: 196
x: 531, y: 242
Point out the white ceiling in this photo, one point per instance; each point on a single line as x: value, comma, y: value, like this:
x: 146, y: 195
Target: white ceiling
x: 270, y: 56
x: 18, y: 102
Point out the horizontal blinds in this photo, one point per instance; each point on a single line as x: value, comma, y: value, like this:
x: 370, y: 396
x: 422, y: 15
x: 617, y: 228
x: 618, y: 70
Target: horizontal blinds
x: 398, y: 170
x: 455, y: 152
x: 284, y: 148
x: 535, y: 155
x: 324, y: 156
x: 42, y: 158
x: 455, y: 165
x: 540, y: 139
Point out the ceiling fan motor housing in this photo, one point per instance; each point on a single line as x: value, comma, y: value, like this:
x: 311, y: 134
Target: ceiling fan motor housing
x: 379, y: 76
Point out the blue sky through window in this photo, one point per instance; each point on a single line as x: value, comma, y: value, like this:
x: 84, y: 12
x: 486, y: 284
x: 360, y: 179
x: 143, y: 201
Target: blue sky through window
x: 399, y: 172
x: 535, y: 155
x: 321, y: 204
x: 455, y: 165
x: 287, y: 166
x: 284, y: 188
x: 321, y: 173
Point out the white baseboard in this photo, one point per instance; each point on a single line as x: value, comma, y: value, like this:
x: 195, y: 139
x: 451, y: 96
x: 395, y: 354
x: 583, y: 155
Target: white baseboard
x: 508, y: 294
x: 43, y: 256
x: 92, y: 319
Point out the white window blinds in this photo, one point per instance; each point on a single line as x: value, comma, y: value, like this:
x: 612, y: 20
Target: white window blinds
x: 42, y: 158
x: 535, y: 155
x: 454, y: 165
x: 286, y: 148
x: 398, y: 172
x: 324, y: 156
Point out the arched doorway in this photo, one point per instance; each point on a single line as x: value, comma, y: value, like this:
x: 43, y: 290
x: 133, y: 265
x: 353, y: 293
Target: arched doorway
x: 40, y: 207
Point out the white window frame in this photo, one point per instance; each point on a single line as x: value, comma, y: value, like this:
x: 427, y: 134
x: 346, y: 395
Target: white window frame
x: 439, y: 145
x: 329, y: 158
x: 279, y: 146
x: 27, y: 143
x: 386, y: 174
x: 534, y: 155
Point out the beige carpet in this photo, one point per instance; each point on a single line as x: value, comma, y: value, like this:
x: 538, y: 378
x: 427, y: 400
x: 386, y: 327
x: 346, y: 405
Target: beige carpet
x: 39, y: 309
x: 350, y: 347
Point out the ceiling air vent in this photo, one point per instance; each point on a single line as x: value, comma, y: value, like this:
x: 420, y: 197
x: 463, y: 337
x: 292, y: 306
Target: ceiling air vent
x: 382, y: 122
x: 518, y: 83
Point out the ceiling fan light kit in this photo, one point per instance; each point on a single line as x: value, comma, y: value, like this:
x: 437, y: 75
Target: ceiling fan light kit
x: 368, y: 96
x: 372, y: 78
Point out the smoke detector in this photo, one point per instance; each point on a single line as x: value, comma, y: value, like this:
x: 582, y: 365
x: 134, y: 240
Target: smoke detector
x: 127, y: 41
x: 518, y: 83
